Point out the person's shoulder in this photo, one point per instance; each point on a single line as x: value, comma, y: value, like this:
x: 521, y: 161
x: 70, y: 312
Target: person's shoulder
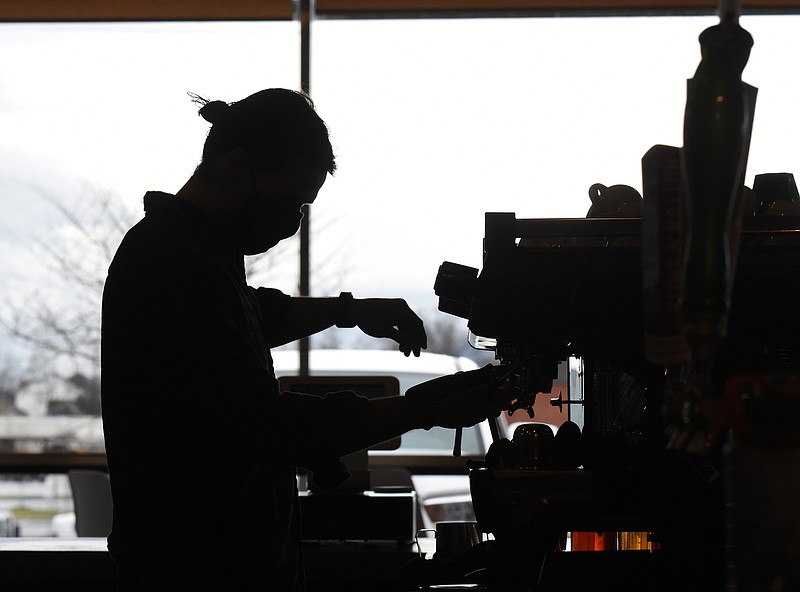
x: 147, y: 238
x: 167, y: 221
x: 155, y: 240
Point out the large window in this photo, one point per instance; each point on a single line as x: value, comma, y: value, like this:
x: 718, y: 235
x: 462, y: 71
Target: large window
x: 434, y: 122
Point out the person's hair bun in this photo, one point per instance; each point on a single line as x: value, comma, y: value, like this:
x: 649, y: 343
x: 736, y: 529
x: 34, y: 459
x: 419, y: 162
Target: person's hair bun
x: 212, y: 111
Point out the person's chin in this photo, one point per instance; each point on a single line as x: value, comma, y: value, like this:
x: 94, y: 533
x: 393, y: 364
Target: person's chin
x: 250, y: 250
x: 264, y: 244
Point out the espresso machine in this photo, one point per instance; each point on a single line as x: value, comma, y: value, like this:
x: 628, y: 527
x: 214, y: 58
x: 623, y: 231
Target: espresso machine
x: 680, y: 307
x: 554, y: 290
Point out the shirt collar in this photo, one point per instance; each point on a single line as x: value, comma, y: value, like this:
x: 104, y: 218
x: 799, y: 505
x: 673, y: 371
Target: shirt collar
x: 191, y: 219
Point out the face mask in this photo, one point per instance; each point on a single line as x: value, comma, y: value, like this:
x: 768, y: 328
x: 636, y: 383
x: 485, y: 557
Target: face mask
x: 261, y: 223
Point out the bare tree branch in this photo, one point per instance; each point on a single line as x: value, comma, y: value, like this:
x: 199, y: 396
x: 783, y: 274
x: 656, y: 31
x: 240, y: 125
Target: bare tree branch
x: 59, y: 314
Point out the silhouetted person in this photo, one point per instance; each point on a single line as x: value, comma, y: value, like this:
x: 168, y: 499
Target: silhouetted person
x: 202, y: 447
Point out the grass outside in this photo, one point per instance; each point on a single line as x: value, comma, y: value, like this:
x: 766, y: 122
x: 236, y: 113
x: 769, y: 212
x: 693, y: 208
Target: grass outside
x: 28, y: 514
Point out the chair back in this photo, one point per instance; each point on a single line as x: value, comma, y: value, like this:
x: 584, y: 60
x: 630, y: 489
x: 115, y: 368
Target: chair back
x: 91, y: 497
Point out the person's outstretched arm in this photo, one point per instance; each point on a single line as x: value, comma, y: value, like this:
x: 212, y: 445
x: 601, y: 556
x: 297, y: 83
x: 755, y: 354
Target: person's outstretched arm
x: 377, y: 317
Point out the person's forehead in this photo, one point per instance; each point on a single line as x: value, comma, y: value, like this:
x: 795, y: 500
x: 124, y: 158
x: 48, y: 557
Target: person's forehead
x: 297, y: 177
x: 300, y: 166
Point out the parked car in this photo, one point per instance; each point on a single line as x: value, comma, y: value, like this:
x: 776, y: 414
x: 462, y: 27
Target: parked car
x: 370, y: 362
x: 442, y: 496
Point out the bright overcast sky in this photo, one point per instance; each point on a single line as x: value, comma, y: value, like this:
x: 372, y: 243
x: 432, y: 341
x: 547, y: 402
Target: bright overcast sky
x: 434, y: 122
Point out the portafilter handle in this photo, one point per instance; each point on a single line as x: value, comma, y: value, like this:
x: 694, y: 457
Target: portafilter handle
x: 494, y: 428
x: 457, y: 443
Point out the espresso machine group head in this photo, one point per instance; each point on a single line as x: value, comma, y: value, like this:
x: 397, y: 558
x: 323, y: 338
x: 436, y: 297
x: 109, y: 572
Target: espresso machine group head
x: 551, y: 289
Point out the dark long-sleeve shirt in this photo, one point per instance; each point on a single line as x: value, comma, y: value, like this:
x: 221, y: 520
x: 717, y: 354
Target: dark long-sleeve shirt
x: 201, y: 446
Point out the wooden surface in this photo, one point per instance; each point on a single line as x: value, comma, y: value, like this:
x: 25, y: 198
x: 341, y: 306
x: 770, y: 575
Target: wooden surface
x: 144, y: 10
x: 561, y: 7
x: 225, y: 10
x: 59, y: 462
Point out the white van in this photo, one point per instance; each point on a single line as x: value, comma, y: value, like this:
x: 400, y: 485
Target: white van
x: 444, y: 496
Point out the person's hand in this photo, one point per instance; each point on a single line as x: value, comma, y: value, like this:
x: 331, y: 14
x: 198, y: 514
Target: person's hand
x: 460, y: 400
x: 392, y: 318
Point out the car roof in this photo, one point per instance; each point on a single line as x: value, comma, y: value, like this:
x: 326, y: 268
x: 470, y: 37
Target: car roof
x: 373, y: 361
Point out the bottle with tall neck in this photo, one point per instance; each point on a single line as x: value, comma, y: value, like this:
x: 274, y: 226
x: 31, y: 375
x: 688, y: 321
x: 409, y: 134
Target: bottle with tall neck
x: 717, y: 127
